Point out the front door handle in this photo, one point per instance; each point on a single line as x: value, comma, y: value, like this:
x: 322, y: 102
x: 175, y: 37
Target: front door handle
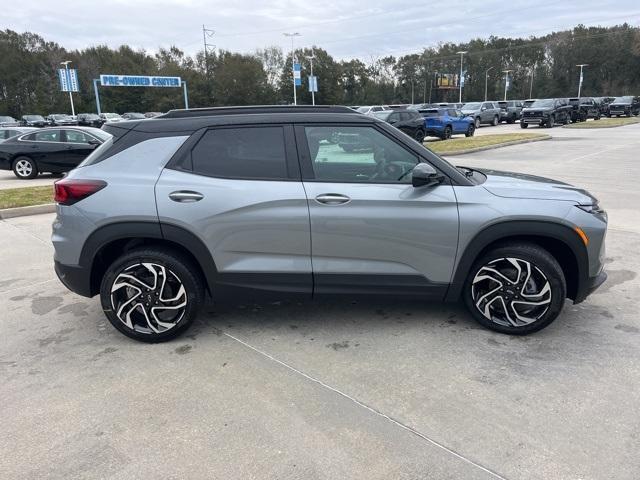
x: 186, y: 196
x: 332, y: 199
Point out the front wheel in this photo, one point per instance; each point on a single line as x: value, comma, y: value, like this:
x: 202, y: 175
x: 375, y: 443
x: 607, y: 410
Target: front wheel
x: 151, y: 294
x: 470, y: 130
x: 551, y: 122
x: 419, y: 135
x: 446, y: 135
x: 523, y: 125
x: 496, y: 121
x: 476, y: 122
x: 516, y: 289
x: 25, y: 168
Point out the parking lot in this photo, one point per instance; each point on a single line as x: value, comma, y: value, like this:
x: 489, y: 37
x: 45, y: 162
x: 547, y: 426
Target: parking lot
x: 371, y: 389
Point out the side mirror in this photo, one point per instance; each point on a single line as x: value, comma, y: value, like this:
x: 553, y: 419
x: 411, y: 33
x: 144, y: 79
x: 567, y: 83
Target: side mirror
x: 424, y: 175
x: 94, y: 142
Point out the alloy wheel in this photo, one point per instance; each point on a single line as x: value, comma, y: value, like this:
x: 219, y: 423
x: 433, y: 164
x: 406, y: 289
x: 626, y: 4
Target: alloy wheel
x: 148, y: 298
x: 511, y: 292
x: 24, y: 168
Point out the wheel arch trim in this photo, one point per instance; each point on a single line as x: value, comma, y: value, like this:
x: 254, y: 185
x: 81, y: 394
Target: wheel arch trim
x: 519, y: 229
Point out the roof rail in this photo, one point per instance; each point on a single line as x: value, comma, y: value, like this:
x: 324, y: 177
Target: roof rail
x: 213, y: 111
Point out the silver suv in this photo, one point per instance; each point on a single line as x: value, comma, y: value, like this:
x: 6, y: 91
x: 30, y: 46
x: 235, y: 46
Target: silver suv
x: 216, y: 204
x: 482, y: 112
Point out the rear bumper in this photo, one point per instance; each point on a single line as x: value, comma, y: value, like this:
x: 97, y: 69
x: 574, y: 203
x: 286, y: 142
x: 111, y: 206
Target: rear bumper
x: 75, y: 278
x: 590, y: 286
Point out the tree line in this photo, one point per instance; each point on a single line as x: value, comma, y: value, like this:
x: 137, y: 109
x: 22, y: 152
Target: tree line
x: 541, y: 67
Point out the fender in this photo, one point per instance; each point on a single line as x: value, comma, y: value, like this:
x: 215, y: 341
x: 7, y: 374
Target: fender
x: 517, y: 228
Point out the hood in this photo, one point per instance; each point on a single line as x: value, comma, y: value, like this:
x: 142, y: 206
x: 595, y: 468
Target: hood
x: 620, y: 104
x: 537, y: 109
x: 520, y: 185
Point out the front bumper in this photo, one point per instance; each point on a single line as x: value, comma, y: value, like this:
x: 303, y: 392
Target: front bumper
x: 75, y: 278
x: 533, y: 120
x: 590, y: 286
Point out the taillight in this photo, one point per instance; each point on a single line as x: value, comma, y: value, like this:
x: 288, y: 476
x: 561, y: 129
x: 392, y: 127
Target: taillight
x: 70, y: 191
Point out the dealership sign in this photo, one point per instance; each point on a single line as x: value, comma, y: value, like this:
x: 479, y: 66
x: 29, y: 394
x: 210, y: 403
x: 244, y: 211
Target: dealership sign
x: 139, y: 81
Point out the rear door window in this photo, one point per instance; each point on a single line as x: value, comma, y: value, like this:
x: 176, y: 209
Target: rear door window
x: 44, y: 136
x: 242, y: 152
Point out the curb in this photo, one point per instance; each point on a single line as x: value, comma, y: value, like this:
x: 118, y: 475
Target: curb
x: 493, y: 147
x: 598, y: 127
x: 24, y: 211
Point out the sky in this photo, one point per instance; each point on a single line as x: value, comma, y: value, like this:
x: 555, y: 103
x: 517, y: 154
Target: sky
x: 345, y: 28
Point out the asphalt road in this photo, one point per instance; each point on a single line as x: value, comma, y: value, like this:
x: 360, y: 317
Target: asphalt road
x: 376, y: 389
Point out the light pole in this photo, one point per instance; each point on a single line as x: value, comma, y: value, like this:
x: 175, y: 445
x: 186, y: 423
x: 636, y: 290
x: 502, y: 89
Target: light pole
x: 293, y: 63
x: 486, y: 81
x: 460, y: 81
x: 313, y: 96
x: 66, y: 66
x: 582, y: 65
x: 506, y: 82
x: 533, y: 69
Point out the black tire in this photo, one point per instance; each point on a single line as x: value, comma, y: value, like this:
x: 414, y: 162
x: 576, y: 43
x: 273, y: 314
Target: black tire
x: 419, y: 135
x: 180, y: 272
x: 523, y: 125
x: 25, y: 168
x: 446, y: 135
x: 597, y: 117
x: 470, y: 130
x: 496, y: 121
x: 551, y: 122
x: 477, y: 122
x: 545, y: 269
x: 511, y: 119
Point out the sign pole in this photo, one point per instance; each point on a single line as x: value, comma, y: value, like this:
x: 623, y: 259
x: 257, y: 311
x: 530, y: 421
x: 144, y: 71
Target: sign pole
x: 95, y: 90
x: 68, y: 76
x: 186, y: 96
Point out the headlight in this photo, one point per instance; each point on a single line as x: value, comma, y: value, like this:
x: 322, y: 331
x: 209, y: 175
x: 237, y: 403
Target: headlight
x: 593, y: 208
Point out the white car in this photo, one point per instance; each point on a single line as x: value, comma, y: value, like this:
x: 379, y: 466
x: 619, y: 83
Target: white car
x: 111, y: 117
x: 371, y: 109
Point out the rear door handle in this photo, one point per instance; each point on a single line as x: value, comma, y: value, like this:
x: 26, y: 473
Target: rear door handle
x: 332, y: 199
x: 186, y: 196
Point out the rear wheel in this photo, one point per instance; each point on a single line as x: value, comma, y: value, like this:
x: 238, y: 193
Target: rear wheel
x: 151, y: 294
x: 511, y: 119
x: 551, y: 122
x: 471, y: 129
x: 516, y: 289
x: 25, y: 168
x: 446, y: 135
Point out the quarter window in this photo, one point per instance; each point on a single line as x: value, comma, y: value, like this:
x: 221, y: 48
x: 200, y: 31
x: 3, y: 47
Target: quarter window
x: 358, y: 155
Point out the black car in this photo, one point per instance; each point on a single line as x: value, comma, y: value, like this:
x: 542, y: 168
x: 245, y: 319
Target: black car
x: 546, y: 112
x: 627, y: 105
x: 54, y: 150
x: 7, y: 121
x: 407, y: 120
x: 603, y: 104
x: 33, y: 121
x: 510, y: 110
x: 583, y: 108
x: 90, y: 120
x: 61, y: 120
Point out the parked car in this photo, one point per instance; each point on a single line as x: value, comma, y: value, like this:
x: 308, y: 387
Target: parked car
x: 482, y: 112
x: 33, y: 121
x: 111, y: 117
x: 546, y: 113
x: 228, y: 201
x: 61, y: 120
x: 90, y: 120
x: 7, y: 121
x: 407, y: 121
x: 52, y: 149
x: 510, y: 110
x: 157, y: 114
x: 444, y: 122
x: 9, y: 132
x: 627, y: 105
x: 603, y: 104
x: 133, y: 116
x: 583, y: 108
x: 369, y: 110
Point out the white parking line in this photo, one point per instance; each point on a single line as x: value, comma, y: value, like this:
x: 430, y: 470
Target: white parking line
x: 370, y: 409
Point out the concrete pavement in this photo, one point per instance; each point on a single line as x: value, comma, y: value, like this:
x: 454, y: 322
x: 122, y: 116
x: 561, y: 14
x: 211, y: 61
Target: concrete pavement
x: 373, y: 389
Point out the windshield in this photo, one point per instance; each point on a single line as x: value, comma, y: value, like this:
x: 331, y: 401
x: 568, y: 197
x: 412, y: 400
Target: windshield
x: 471, y: 106
x: 91, y: 116
x: 7, y: 119
x: 101, y: 134
x: 429, y: 113
x: 59, y: 116
x: 363, y: 109
x: 623, y: 100
x: 112, y: 115
x: 33, y: 117
x: 134, y: 115
x: 382, y: 115
x: 108, y: 142
x: 542, y: 103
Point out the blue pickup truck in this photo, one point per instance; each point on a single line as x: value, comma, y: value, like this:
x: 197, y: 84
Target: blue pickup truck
x: 446, y: 121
